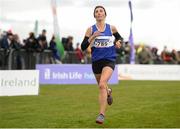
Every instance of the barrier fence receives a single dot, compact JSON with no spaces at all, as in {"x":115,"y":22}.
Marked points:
{"x":21,"y":59}
{"x":11,"y":59}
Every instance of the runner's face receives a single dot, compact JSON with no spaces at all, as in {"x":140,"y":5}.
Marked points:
{"x":100,"y":14}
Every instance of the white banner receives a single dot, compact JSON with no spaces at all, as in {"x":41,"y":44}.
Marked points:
{"x":149,"y":72}
{"x":19,"y":82}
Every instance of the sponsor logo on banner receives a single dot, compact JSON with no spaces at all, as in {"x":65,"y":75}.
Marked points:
{"x":19,"y":82}
{"x":70,"y":74}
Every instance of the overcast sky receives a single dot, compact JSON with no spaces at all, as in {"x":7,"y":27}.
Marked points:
{"x":156,"y":22}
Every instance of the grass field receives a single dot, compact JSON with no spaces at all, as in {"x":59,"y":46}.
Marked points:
{"x":152,"y":104}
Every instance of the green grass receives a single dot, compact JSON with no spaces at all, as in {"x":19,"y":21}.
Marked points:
{"x":151,"y":104}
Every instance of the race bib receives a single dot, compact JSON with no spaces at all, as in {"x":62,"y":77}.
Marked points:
{"x":103,"y":41}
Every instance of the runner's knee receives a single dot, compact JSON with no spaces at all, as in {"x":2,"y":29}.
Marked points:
{"x":102,"y":85}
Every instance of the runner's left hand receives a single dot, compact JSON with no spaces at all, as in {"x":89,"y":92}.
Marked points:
{"x":118,"y":44}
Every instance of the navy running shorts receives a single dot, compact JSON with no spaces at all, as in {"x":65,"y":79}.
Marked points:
{"x":97,"y":66}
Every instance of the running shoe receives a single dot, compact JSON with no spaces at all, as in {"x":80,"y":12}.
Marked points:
{"x":100,"y":119}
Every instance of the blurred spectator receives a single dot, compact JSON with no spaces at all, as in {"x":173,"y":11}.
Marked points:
{"x":69,"y":44}
{"x":0,"y":34}
{"x":79,"y":54}
{"x":175,"y":57}
{"x":53,"y":47}
{"x":17,"y":42}
{"x":64,"y":42}
{"x":42,"y":36}
{"x":41,"y":46}
{"x":19,"y":60}
{"x":144,"y":56}
{"x":120,"y":54}
{"x":178,"y":52}
{"x":2,"y":38}
{"x":42,"y":42}
{"x":127,"y":50}
{"x":166,"y":56}
{"x":31,"y":43}
{"x":10,"y":41}
{"x":156,"y":58}
{"x":7,"y":41}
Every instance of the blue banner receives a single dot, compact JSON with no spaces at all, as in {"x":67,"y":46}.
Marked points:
{"x":70,"y":74}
